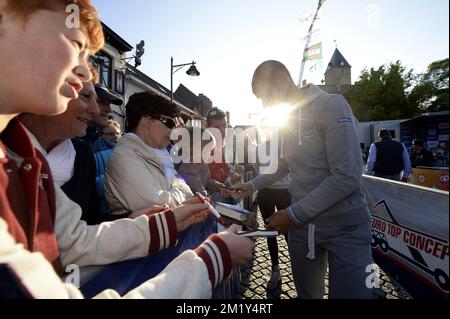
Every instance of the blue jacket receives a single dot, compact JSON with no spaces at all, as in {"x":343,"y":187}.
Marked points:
{"x":102,"y":150}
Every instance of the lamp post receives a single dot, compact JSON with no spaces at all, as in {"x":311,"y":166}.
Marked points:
{"x":192,"y":71}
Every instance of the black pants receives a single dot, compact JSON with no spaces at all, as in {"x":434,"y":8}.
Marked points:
{"x":268,"y":200}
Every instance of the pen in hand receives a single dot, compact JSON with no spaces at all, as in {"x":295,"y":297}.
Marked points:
{"x":211,"y":208}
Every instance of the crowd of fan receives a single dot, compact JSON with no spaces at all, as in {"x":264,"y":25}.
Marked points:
{"x":69,"y":194}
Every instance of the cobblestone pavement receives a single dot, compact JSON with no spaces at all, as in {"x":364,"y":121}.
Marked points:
{"x":257,"y":272}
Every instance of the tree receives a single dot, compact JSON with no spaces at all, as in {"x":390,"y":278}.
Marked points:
{"x":394,"y":92}
{"x":382,"y":93}
{"x":431,"y":92}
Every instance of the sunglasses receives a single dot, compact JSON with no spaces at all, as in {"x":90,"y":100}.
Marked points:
{"x":168,"y":121}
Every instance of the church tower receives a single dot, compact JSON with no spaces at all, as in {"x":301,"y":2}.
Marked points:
{"x":339,"y":71}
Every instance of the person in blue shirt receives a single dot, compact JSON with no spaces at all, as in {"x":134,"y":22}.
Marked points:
{"x":102,"y":148}
{"x":388,"y":158}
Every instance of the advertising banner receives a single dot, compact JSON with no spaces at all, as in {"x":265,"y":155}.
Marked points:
{"x":410,"y":228}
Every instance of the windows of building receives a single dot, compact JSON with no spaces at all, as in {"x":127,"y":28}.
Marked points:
{"x":104,"y":64}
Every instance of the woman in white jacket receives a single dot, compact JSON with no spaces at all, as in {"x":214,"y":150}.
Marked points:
{"x":140,"y":172}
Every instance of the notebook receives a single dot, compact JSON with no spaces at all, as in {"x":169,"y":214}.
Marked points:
{"x":259,"y":233}
{"x":233,"y":212}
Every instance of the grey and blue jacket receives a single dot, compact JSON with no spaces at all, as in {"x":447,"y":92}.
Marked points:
{"x":322,"y":154}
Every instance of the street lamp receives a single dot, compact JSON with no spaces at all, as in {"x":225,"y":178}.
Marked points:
{"x":192,"y":71}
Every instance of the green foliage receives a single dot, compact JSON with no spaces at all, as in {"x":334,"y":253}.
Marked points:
{"x":431,"y":94}
{"x":394,"y":92}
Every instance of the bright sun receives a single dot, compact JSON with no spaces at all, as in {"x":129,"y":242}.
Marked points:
{"x":276,"y":116}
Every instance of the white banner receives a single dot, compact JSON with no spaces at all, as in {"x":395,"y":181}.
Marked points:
{"x":410,"y":226}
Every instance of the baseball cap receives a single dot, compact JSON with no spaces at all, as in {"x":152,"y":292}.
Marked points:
{"x":103,"y":92}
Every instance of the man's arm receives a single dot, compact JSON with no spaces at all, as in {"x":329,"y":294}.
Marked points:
{"x":372,"y":158}
{"x":267,"y":179}
{"x":344,"y":161}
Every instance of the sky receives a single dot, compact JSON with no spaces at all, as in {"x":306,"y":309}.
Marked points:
{"x":229,"y":38}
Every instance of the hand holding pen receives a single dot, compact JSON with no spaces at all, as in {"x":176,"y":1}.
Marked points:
{"x":211,"y":208}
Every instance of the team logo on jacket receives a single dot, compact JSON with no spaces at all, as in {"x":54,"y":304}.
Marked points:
{"x":345,"y":120}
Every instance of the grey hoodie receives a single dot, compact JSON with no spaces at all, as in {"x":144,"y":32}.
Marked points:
{"x":321,"y":152}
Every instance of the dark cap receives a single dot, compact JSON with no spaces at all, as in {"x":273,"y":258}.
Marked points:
{"x":105,"y":93}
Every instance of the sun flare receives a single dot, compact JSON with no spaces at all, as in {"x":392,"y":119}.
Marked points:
{"x":276,"y":116}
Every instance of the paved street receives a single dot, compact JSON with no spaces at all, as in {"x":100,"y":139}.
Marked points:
{"x":257,"y":272}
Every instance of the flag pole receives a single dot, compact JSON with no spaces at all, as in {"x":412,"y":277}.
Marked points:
{"x":308,"y":41}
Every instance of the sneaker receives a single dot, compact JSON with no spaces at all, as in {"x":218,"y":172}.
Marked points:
{"x":275,"y":278}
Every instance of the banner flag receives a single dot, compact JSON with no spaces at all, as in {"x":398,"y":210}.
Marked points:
{"x":313,"y":52}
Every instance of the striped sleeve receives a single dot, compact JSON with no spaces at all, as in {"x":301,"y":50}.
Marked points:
{"x":163,"y":231}
{"x":26,"y":275}
{"x":214,"y":252}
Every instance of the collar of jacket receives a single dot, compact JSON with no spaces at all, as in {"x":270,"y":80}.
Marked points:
{"x":309,"y":94}
{"x":38,"y":189}
{"x":17,"y":139}
{"x":137,"y":144}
